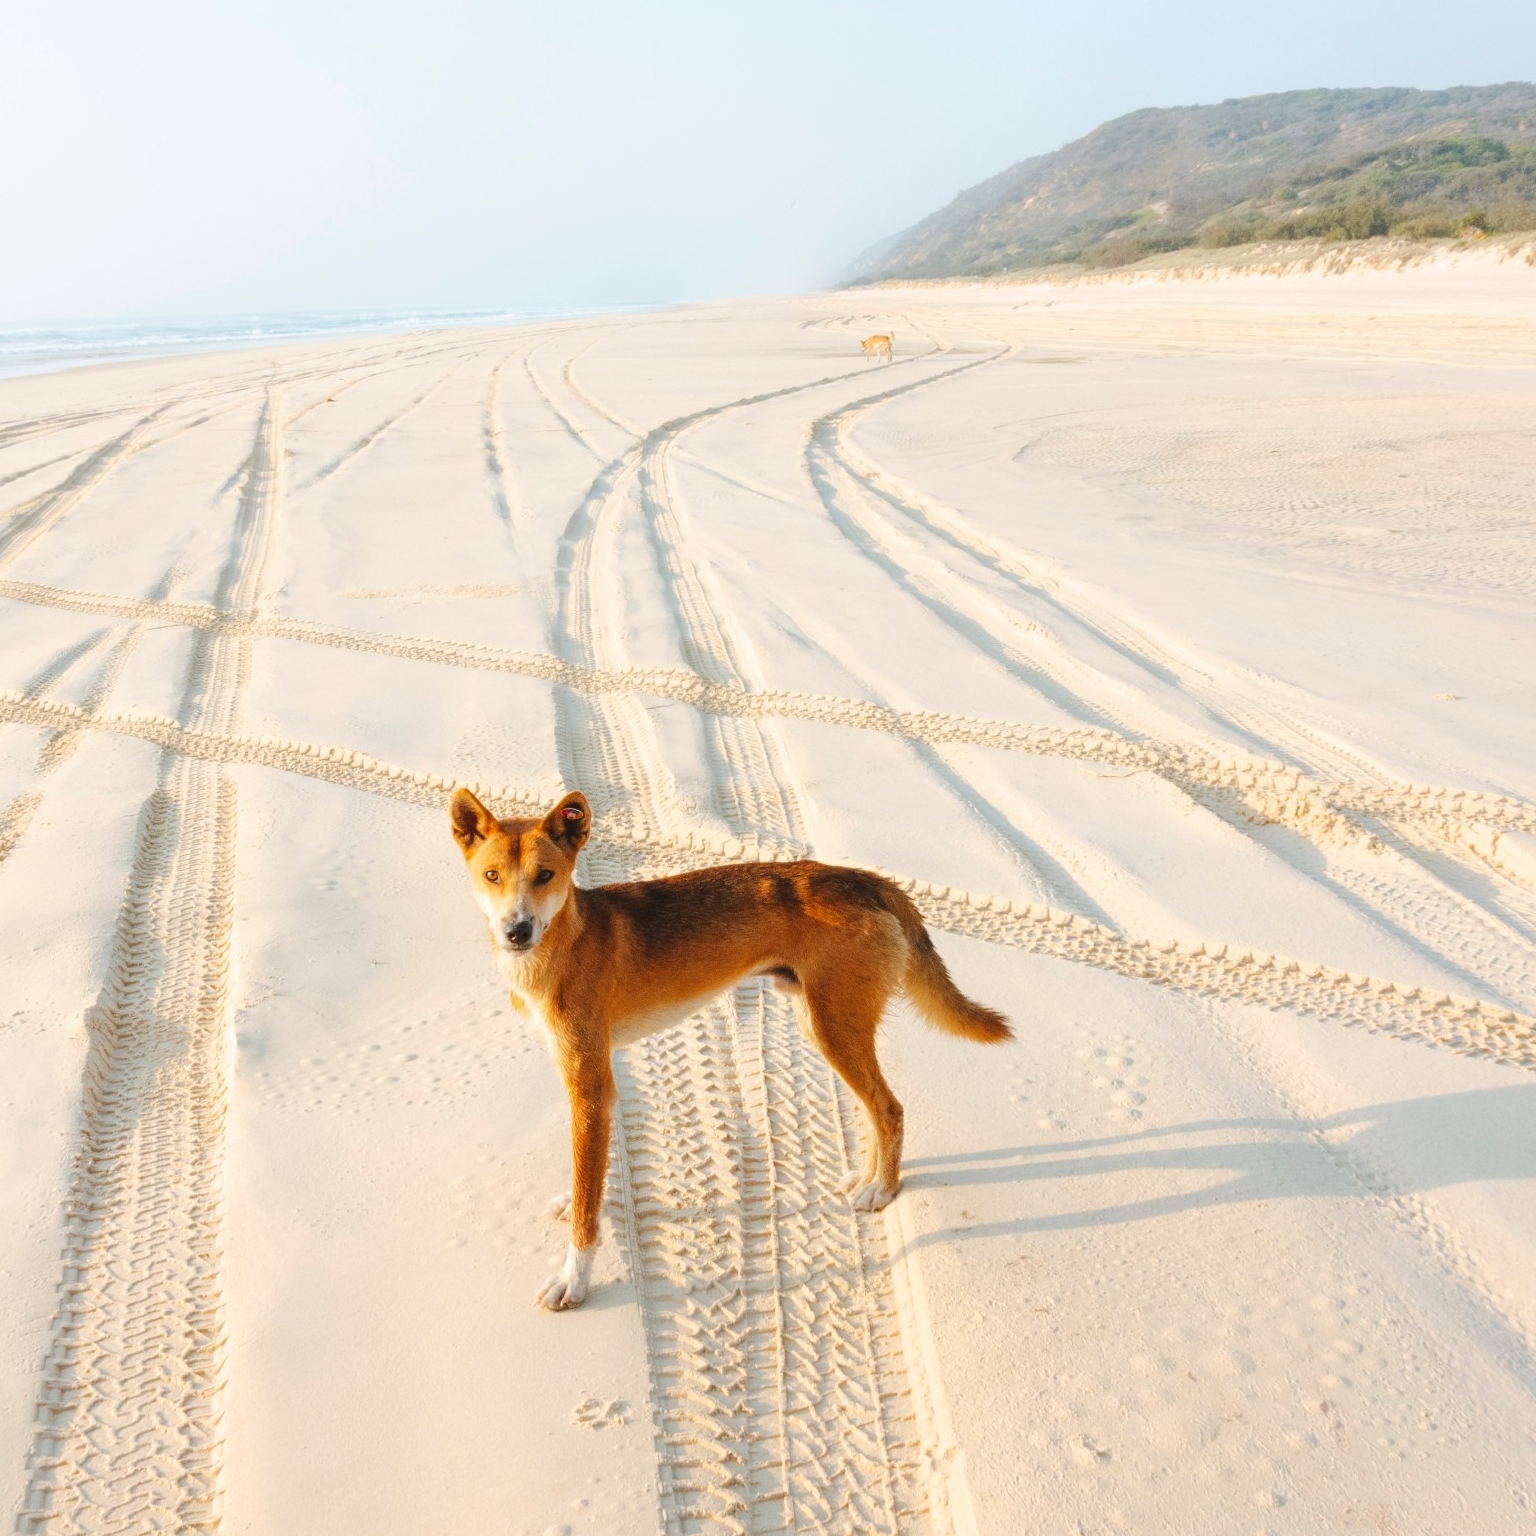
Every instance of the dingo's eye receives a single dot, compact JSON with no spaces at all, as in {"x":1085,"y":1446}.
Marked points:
{"x":494,"y":876}
{"x":543,"y":877}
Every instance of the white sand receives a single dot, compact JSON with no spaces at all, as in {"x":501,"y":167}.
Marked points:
{"x":1202,"y":611}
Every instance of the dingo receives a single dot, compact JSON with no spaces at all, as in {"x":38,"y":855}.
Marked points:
{"x":604,"y":967}
{"x":879,"y":346}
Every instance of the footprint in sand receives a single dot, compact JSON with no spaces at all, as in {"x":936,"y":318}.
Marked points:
{"x":593,"y":1413}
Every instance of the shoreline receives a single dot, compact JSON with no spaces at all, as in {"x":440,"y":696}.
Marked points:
{"x":177,"y":336}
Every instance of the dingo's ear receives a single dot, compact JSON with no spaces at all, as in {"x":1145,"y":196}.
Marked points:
{"x":570,"y":821}
{"x":472,"y":823}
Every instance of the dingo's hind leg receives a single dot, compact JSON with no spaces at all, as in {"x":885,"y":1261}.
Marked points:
{"x":842,"y":1022}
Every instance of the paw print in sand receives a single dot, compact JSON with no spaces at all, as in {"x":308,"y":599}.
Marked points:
{"x":593,"y":1413}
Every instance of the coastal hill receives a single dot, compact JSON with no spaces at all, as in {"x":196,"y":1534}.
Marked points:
{"x":1330,"y":164}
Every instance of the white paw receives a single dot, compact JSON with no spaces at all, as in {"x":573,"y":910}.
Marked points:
{"x":850,"y":1182}
{"x":569,"y":1288}
{"x":559,"y":1209}
{"x":872,"y":1197}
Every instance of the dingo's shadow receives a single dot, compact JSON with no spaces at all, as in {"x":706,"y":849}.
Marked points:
{"x":1403,"y":1147}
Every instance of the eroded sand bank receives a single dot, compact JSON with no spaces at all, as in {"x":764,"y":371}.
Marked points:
{"x":1175,"y":642}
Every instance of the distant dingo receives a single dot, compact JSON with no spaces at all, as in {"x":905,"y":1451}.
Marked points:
{"x":603,"y":966}
{"x":879,"y":346}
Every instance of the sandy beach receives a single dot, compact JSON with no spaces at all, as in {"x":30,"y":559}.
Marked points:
{"x":1172,"y":641}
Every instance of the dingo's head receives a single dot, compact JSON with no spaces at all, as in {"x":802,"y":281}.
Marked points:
{"x":521,"y":869}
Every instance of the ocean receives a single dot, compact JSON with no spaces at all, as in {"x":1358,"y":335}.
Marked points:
{"x":44,"y":347}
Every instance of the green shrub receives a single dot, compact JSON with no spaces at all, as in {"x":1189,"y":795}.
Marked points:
{"x":1471,"y":151}
{"x":1123,"y":250}
{"x":1427,"y":226}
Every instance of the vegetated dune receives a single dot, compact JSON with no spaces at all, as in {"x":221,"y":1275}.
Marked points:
{"x":1169,"y":641}
{"x":1297,"y":165}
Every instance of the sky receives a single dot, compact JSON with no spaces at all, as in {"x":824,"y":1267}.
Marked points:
{"x":166,"y":158}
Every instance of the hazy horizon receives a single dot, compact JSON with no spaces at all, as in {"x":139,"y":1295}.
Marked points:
{"x":176,"y":161}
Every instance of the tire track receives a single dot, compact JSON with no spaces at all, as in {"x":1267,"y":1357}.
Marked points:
{"x":768,"y":1321}
{"x":683,"y":1170}
{"x":827,"y":1382}
{"x":1009,"y":638}
{"x":1037,"y":587}
{"x":542,"y":390}
{"x":844,"y":1393}
{"x":1394,"y":887}
{"x":1274,"y":728}
{"x":775,"y":1349}
{"x":686,"y":1166}
{"x":41,"y":465}
{"x":1360,"y":786}
{"x":128,"y":1413}
{"x":1266,"y":981}
{"x":612,"y":741}
{"x":59,"y":746}
{"x":497,"y":467}
{"x":1272,"y":789}
{"x":23,"y":430}
{"x":568,"y":374}
{"x":856,"y":1457}
{"x":388,"y":424}
{"x":32,"y":519}
{"x":40,"y":515}
{"x":23,"y":525}
{"x":608,"y":742}
{"x":129,"y":1434}
{"x":753,"y":791}
{"x":15,"y":818}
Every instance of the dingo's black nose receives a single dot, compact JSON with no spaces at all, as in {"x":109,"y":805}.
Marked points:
{"x":520,"y":932}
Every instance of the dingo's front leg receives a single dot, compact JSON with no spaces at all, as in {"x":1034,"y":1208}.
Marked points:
{"x":569,"y":1288}
{"x":592,"y":1093}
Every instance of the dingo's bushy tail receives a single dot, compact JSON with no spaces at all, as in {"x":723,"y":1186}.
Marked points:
{"x":932,"y":990}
